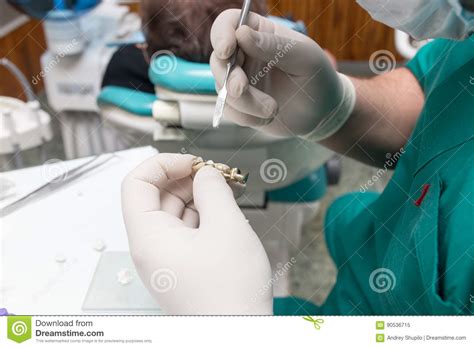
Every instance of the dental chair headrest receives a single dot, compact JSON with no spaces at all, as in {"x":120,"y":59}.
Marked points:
{"x":181,"y":76}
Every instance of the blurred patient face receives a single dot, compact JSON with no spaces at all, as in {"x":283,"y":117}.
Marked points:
{"x":183,"y":26}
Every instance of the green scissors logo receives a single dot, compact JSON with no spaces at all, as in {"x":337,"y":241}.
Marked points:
{"x":316,"y":322}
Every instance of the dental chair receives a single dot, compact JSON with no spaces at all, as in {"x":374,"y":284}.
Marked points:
{"x":287,"y":176}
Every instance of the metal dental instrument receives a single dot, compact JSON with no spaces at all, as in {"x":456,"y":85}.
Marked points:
{"x":222,"y":97}
{"x":55,"y":183}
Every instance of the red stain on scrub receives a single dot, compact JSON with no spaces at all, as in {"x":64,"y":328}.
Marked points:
{"x":424,"y":191}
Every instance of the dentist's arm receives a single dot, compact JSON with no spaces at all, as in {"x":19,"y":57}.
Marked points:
{"x":383,"y":119}
{"x":286,"y":86}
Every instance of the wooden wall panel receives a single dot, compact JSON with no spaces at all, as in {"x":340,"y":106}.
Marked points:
{"x":341,"y":26}
{"x":134,"y":7}
{"x":23,"y":47}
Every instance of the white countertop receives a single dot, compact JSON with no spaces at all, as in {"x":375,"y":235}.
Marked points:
{"x":65,"y":224}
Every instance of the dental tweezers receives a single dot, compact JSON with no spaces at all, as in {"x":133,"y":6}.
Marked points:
{"x":53,"y":184}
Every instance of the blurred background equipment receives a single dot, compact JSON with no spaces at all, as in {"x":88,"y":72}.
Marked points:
{"x":77,"y":36}
{"x":61,"y":21}
{"x":23,"y":125}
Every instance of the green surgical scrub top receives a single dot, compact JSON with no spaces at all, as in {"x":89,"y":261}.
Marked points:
{"x":410,"y":249}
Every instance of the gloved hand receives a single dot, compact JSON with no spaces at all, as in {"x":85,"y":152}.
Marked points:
{"x":284,"y":85}
{"x":196,"y":256}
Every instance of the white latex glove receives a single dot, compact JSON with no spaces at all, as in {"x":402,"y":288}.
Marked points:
{"x":284,"y":85}
{"x":198,"y":257}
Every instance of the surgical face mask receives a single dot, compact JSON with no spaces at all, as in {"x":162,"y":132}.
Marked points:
{"x":424,"y":19}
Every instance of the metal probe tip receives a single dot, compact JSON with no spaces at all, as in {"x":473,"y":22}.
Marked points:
{"x":222,"y":97}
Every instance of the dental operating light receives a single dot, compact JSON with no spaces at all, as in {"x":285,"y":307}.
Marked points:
{"x":49,"y":9}
{"x":63,"y":29}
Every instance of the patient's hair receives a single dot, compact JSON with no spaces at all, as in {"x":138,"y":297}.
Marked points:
{"x":183,"y":26}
